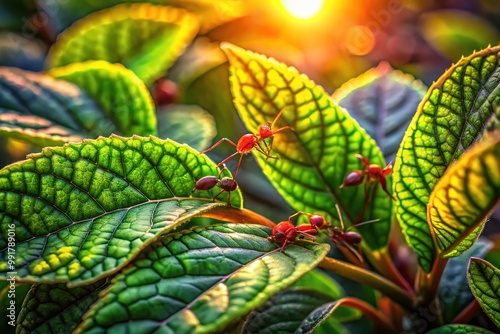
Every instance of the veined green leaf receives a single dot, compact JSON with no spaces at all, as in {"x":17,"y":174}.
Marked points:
{"x":55,"y":308}
{"x":466,"y":194}
{"x":44,"y":111}
{"x":120,"y":93}
{"x":383,"y":101}
{"x":484,"y":281}
{"x":199,"y":281}
{"x":145,"y":38}
{"x":459,"y":329}
{"x":450,"y":118}
{"x":187,"y":124}
{"x":83,"y":211}
{"x":318,"y":153}
{"x":286,"y":312}
{"x":454,"y":292}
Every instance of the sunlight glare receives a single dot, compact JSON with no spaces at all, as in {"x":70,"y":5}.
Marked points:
{"x":303,"y":9}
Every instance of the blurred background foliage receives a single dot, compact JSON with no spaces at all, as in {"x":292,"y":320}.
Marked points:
{"x":330,"y":41}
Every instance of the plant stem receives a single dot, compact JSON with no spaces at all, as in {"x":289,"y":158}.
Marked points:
{"x":235,"y":215}
{"x":427,"y":285}
{"x":381,"y":259}
{"x":467,"y":313}
{"x":382,"y":324}
{"x":369,"y":278}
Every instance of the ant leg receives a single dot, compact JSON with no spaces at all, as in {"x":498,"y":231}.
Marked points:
{"x":284,"y":245}
{"x":368,"y":201}
{"x":217,"y":144}
{"x":261,"y":150}
{"x":298,"y":213}
{"x":237,"y":168}
{"x":220,"y":192}
{"x":383,"y":183}
{"x":307,"y":235}
{"x":227,"y":159}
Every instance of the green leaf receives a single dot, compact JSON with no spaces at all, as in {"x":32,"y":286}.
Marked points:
{"x":459,"y":329}
{"x":55,"y":308}
{"x":457,"y":32}
{"x":186,"y":124}
{"x":210,"y":13}
{"x":124,"y":98}
{"x":145,"y":38}
{"x":450,"y":118}
{"x":383,"y":101}
{"x":319,"y":153}
{"x":200,"y":280}
{"x":320,"y":282}
{"x":44,"y":111}
{"x":466,"y":194}
{"x":9,"y":293}
{"x":290,"y":311}
{"x":83,"y":211}
{"x":454,"y":292}
{"x":484,"y":281}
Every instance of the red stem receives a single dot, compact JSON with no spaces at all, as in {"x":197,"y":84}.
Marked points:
{"x":467,"y":313}
{"x":382,"y":324}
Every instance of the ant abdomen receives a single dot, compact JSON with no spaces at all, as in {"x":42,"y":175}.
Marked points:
{"x":206,"y":183}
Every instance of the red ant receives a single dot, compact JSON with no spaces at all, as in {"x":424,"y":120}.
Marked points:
{"x":249,"y":141}
{"x":226,"y":184}
{"x":372,"y":172}
{"x":286,"y":232}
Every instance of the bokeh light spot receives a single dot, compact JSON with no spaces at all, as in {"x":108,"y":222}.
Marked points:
{"x":303,"y":9}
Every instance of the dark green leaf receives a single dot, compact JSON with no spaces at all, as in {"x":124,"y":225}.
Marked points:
{"x":451,"y":117}
{"x":56,"y":308}
{"x":9,"y":313}
{"x":454,"y":291}
{"x":145,"y":38}
{"x":123,"y":97}
{"x":320,"y":282}
{"x":459,"y":329}
{"x":466,"y":194}
{"x":383,"y":101}
{"x":286,"y":312}
{"x":83,"y":211}
{"x":484,"y":281}
{"x":187,"y":124}
{"x":319,"y":153}
{"x":202,"y":279}
{"x":44,"y":111}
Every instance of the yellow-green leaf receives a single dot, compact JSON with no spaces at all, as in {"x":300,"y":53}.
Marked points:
{"x":145,"y":38}
{"x":317,"y":155}
{"x":466,"y":194}
{"x":120,"y":93}
{"x":451,"y":117}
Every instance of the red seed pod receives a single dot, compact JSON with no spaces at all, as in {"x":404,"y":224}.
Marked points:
{"x":228,"y":184}
{"x":206,"y":183}
{"x":317,"y":221}
{"x":354,"y":178}
{"x":166,"y":92}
